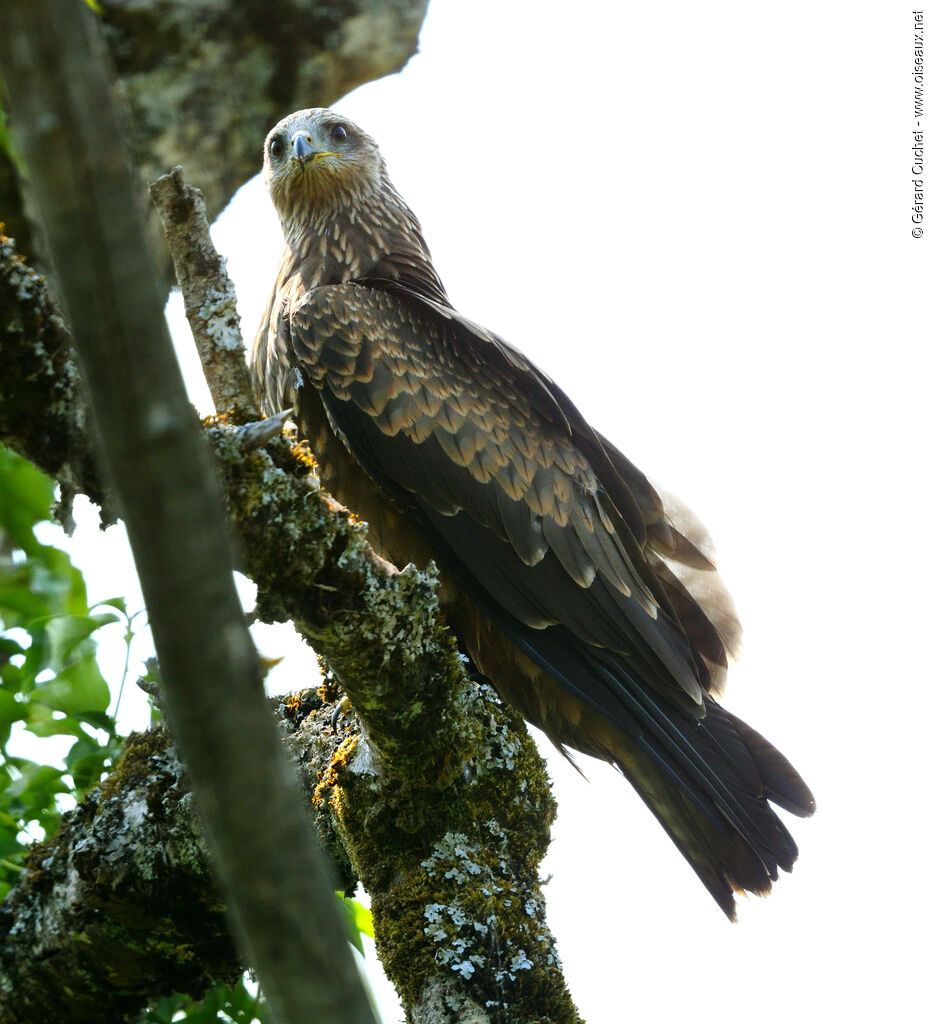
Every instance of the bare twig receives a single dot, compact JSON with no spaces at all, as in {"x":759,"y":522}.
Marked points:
{"x":209,"y":296}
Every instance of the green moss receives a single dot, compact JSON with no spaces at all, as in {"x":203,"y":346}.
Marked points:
{"x":468,"y":902}
{"x":135,"y":766}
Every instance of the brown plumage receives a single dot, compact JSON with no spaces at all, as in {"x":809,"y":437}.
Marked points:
{"x":589,"y":599}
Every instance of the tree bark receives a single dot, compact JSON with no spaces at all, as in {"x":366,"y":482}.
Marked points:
{"x":44,"y":415}
{"x":443,"y":809}
{"x":118,"y":908}
{"x":269,"y":869}
{"x":205,"y":81}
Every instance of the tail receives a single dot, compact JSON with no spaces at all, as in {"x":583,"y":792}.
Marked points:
{"x":727,"y":830}
{"x":710,"y":781}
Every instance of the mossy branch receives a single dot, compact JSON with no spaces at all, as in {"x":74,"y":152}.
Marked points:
{"x":119,"y":907}
{"x":43,"y":410}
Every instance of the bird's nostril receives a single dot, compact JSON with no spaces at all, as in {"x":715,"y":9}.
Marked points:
{"x":301,"y":146}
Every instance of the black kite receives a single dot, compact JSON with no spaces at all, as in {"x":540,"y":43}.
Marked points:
{"x":589,"y":599}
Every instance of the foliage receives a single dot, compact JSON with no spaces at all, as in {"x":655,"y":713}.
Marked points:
{"x":50,"y":683}
{"x":221,"y":1005}
{"x":52,"y":688}
{"x":358,"y":920}
{"x":8,"y":143}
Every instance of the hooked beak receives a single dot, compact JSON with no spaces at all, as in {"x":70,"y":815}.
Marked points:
{"x":304,"y":152}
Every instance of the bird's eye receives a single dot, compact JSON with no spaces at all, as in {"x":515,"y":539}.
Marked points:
{"x":276,"y":148}
{"x":338,"y":133}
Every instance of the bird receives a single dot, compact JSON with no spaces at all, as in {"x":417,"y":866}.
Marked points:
{"x":586,"y":594}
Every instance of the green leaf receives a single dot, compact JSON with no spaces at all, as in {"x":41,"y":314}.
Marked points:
{"x":46,"y":727}
{"x":87,"y":771}
{"x":36,"y":713}
{"x":11,"y":678}
{"x":99,"y":720}
{"x":9,"y":648}
{"x":19,"y":604}
{"x":8,"y":146}
{"x":220,"y":1005}
{"x":78,"y":687}
{"x":53,"y":685}
{"x":63,"y":582}
{"x":10,"y":845}
{"x":66,"y":632}
{"x":358,"y":920}
{"x":36,"y":786}
{"x":11,"y":709}
{"x":25,"y":497}
{"x":164,"y":1011}
{"x":88,"y":759}
{"x":118,"y":603}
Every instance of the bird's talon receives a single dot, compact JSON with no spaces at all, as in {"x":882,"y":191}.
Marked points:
{"x":257,"y":434}
{"x":344,"y":705}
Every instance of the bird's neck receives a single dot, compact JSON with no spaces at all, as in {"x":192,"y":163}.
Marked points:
{"x":365,"y":236}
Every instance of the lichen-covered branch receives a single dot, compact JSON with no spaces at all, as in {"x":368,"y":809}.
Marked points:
{"x":119,"y":907}
{"x":43,"y":411}
{"x":266,"y":859}
{"x":209,"y":296}
{"x":438,"y":802}
{"x":444,"y":811}
{"x":430,"y":792}
{"x":443,"y":804}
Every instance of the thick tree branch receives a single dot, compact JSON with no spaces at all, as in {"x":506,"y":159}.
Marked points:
{"x":396,"y":799}
{"x":55,"y":68}
{"x":437,"y":813}
{"x":43,"y":413}
{"x":440,"y":804}
{"x":119,"y":907}
{"x":443,"y":806}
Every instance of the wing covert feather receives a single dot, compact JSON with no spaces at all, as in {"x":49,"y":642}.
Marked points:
{"x":444,"y":421}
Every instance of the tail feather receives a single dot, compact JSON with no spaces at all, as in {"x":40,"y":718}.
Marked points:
{"x":721,"y":859}
{"x":729,"y":854}
{"x":704,"y":773}
{"x":782,"y":782}
{"x":708,"y":780}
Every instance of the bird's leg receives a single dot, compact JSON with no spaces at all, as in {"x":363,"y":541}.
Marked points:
{"x":258,"y":433}
{"x":344,"y":705}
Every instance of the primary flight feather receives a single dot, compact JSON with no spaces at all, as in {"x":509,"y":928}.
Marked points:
{"x":590,"y":599}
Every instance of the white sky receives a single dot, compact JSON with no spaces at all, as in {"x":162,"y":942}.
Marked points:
{"x":697,"y":219}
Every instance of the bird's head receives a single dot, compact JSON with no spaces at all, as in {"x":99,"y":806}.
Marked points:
{"x":316,"y":160}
